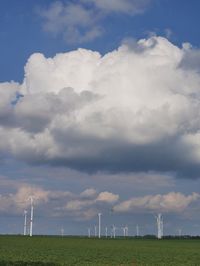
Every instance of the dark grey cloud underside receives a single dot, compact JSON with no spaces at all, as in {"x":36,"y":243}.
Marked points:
{"x":165,"y":156}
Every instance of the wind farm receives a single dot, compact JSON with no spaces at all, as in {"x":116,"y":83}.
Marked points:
{"x":132,"y":243}
{"x":97,"y":245}
{"x":99,"y":132}
{"x":97,"y":232}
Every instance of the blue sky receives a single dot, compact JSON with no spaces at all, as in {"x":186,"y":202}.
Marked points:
{"x":111,"y":126}
{"x":22,"y":33}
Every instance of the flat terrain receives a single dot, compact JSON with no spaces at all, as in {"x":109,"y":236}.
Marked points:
{"x":19,"y":250}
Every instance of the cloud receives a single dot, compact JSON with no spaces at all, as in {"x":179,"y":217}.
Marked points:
{"x":54,"y":203}
{"x":131,"y":110}
{"x":15,"y":203}
{"x":107,"y":197}
{"x":130,"y":7}
{"x":85,"y":205}
{"x":77,"y":205}
{"x":88,"y":193}
{"x":80,"y":21}
{"x":191,"y":58}
{"x":171,"y":202}
{"x":74,"y":22}
{"x":8,"y":92}
{"x":86,"y":208}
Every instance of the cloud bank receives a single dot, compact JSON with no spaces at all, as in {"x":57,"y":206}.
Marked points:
{"x":171,"y":202}
{"x":55,"y":203}
{"x":133,"y":109}
{"x":87,"y":204}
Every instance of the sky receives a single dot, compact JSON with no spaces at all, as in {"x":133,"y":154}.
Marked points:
{"x":99,"y":112}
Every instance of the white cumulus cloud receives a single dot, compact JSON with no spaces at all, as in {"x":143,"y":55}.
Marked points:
{"x":171,"y":202}
{"x":133,"y":109}
{"x":107,"y":197}
{"x":15,"y":198}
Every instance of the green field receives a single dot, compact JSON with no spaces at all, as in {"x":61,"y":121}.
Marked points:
{"x":19,"y":250}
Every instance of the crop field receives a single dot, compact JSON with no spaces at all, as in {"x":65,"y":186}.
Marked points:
{"x":41,"y":250}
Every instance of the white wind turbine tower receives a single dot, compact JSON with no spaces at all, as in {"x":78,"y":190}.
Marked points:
{"x":106,"y":230}
{"x":111,"y":232}
{"x":114,"y":230}
{"x":159,"y":221}
{"x":31,"y":221}
{"x":95,"y":231}
{"x":89,"y":234}
{"x":25,"y":221}
{"x":99,"y":215}
{"x":137,"y":230}
{"x":180,"y":232}
{"x":126,"y":230}
{"x":62,"y":231}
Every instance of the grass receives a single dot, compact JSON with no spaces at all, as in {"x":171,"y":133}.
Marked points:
{"x":19,"y":250}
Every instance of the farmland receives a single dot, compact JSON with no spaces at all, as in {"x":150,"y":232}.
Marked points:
{"x":41,"y":250}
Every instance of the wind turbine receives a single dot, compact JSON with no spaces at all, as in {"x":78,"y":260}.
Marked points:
{"x":106,"y":229}
{"x":31,"y":221}
{"x":137,"y":231}
{"x":25,"y":221}
{"x":62,"y":231}
{"x":89,"y":233}
{"x":111,"y":232}
{"x":180,"y":232}
{"x":114,"y":230}
{"x":126,"y":230}
{"x":95,"y":231}
{"x":99,"y":215}
{"x":159,"y":221}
